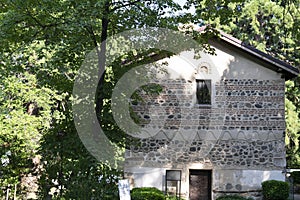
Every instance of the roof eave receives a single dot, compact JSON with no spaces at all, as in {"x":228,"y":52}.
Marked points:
{"x":288,"y":70}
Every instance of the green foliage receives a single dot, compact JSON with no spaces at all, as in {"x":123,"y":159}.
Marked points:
{"x":73,"y":168}
{"x":173,"y":198}
{"x":147,"y":193}
{"x":219,"y":12}
{"x":270,"y":26}
{"x":25,"y":115}
{"x":292,"y":134}
{"x":292,"y":123}
{"x":296,"y":177}
{"x":275,"y":190}
{"x":42,"y":46}
{"x":28,"y":110}
{"x":233,"y":197}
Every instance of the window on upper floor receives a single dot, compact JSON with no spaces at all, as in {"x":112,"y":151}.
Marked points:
{"x":203,"y":91}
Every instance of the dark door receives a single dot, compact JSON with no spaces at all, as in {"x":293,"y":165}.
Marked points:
{"x":200,"y":184}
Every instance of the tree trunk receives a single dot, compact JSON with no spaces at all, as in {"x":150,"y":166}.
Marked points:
{"x":102,"y":61}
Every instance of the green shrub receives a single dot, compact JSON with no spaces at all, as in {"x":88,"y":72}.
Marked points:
{"x":147,"y":193}
{"x":275,"y":190}
{"x":147,"y":189}
{"x":232,"y":197}
{"x":173,"y":198}
{"x":296,"y":177}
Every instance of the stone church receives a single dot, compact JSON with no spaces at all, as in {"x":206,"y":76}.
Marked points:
{"x":219,"y":124}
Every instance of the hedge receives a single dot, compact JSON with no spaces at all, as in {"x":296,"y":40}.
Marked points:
{"x":232,"y":197}
{"x":147,"y":193}
{"x":275,"y":190}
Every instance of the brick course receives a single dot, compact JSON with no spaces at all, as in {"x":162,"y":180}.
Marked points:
{"x":242,"y":129}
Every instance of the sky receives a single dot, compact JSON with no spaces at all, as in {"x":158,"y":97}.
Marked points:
{"x":182,"y":2}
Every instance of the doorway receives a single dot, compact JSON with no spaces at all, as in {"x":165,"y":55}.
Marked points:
{"x":200,"y":184}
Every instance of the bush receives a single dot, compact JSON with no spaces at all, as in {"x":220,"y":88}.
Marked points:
{"x":232,"y":197}
{"x":296,"y":177}
{"x":147,"y":193}
{"x":173,"y":198}
{"x":275,"y":190}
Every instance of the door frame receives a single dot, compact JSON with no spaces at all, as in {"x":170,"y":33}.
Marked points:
{"x":210,"y":171}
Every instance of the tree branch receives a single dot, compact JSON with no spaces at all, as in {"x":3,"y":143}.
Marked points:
{"x":102,"y":59}
{"x":91,"y":32}
{"x":125,"y":5}
{"x":34,"y":19}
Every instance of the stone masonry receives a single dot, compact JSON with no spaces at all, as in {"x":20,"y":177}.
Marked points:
{"x":243,"y":128}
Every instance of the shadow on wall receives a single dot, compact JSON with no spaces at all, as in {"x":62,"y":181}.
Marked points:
{"x":243,"y":67}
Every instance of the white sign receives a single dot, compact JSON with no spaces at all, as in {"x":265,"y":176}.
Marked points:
{"x":124,"y":189}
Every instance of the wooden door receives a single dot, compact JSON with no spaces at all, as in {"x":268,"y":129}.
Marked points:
{"x":200,"y":184}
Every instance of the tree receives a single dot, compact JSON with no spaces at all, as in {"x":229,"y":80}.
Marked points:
{"x":270,"y":26}
{"x":292,"y":125}
{"x":43,"y":44}
{"x":25,"y":116}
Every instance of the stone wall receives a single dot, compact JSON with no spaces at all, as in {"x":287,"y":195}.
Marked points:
{"x":242,"y":129}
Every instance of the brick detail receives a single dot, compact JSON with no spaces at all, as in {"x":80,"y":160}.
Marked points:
{"x":242,"y":129}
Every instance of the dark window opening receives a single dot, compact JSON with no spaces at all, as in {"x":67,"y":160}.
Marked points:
{"x":203,"y":91}
{"x":173,"y":182}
